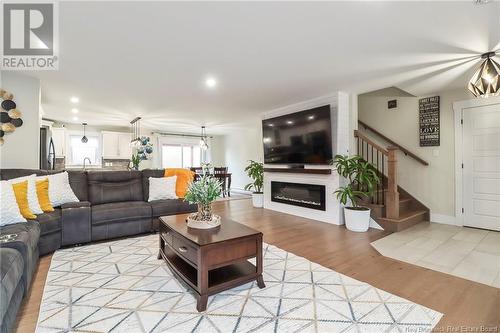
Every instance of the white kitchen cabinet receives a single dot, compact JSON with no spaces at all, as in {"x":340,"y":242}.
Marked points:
{"x":59,"y":139}
{"x":116,"y":145}
{"x":124,"y":148}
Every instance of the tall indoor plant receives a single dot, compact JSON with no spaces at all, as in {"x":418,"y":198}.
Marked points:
{"x":255,"y":170}
{"x":362,"y":180}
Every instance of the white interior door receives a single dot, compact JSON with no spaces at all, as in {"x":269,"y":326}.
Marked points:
{"x":481,"y":174}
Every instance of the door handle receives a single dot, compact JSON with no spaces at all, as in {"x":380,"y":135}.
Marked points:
{"x":183,"y":249}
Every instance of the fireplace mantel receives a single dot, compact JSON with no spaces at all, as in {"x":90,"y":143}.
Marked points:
{"x":300,"y":170}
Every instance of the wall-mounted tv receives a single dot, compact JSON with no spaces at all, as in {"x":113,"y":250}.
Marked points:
{"x":303,"y":137}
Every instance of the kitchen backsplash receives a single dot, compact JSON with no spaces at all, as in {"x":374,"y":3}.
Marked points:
{"x":113,"y":164}
{"x":60,"y":163}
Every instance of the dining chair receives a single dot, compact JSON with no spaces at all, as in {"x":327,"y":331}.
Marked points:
{"x":197,"y":170}
{"x":221,"y":174}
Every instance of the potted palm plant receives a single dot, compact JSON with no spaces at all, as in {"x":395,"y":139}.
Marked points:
{"x":255,"y":170}
{"x":362,"y":179}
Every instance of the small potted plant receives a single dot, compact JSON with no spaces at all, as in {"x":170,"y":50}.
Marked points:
{"x":362,"y":178}
{"x":203,"y":192}
{"x":255,"y":170}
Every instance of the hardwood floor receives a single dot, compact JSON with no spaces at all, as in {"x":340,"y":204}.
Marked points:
{"x":464,"y":303}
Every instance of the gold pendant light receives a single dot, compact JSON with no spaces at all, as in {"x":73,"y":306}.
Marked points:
{"x":486,"y":80}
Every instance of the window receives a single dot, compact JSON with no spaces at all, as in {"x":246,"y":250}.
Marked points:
{"x":180,"y":156}
{"x":79,"y":151}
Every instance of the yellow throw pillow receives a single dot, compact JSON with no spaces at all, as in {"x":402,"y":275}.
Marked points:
{"x":21,"y":193}
{"x":42,"y":191}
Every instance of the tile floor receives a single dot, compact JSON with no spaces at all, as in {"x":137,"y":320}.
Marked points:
{"x":469,"y":253}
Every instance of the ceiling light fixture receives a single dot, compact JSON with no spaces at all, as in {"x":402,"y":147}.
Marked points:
{"x":75,"y":111}
{"x":75,"y":118}
{"x":311,"y":117}
{"x":135,"y":132}
{"x":84,"y":138}
{"x":211,"y":82}
{"x":203,"y":138}
{"x":74,"y":100}
{"x":289,"y":122}
{"x":486,"y":80}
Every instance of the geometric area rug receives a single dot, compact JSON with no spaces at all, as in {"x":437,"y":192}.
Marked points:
{"x":120,"y":286}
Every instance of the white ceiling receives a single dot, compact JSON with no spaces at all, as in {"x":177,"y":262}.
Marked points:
{"x":127,"y":59}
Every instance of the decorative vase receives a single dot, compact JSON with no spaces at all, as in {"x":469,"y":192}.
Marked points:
{"x":203,"y":219}
{"x":204,"y":212}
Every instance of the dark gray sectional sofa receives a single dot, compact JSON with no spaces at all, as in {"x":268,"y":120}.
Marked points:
{"x":112,"y":204}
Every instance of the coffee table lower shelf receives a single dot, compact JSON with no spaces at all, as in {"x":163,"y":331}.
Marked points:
{"x":219,"y":279}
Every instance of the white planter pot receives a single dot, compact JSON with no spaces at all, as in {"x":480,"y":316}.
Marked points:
{"x":357,"y":220}
{"x":258,"y":200}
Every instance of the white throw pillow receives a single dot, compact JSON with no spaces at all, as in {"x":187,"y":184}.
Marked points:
{"x":32,"y":196}
{"x":162,"y":188}
{"x":9,"y":210}
{"x":60,"y":191}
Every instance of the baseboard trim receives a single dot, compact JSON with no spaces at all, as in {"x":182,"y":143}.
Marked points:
{"x":445,"y":219}
{"x":241,"y":191}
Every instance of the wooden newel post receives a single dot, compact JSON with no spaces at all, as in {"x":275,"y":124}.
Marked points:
{"x":392,"y":208}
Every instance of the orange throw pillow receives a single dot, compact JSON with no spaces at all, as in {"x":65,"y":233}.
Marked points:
{"x":184,"y":177}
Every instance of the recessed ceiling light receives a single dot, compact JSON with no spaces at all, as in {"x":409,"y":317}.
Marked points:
{"x":75,"y":118}
{"x":270,"y":125}
{"x":74,"y":100}
{"x":211,"y":82}
{"x":310,"y":117}
{"x":289,"y":122}
{"x":74,"y":110}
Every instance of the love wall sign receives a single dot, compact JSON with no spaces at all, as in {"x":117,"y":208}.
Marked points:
{"x":429,"y":122}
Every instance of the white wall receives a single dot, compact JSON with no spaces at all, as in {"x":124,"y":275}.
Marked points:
{"x":21,"y":148}
{"x":218,"y":151}
{"x":239,"y":147}
{"x":434,"y":184}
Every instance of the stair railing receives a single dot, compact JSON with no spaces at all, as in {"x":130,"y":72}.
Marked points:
{"x":393,"y":143}
{"x":385,"y":161}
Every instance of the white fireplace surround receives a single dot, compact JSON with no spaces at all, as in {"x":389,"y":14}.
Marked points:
{"x":332,"y":212}
{"x":339,"y":103}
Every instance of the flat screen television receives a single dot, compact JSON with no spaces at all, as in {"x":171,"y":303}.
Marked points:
{"x":299,"y":138}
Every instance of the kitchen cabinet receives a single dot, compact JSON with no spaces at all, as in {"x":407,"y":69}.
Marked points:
{"x":116,"y":145}
{"x":59,"y":139}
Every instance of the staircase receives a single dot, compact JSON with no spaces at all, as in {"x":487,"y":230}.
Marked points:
{"x":393,"y":208}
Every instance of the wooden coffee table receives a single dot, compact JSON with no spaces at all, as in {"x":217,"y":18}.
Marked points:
{"x":210,"y":261}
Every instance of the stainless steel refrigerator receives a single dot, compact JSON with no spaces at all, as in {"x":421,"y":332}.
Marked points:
{"x":47,"y":151}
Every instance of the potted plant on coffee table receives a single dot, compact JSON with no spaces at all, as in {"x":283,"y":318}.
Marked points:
{"x":255,"y":170}
{"x":203,"y":192}
{"x":362,"y":179}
